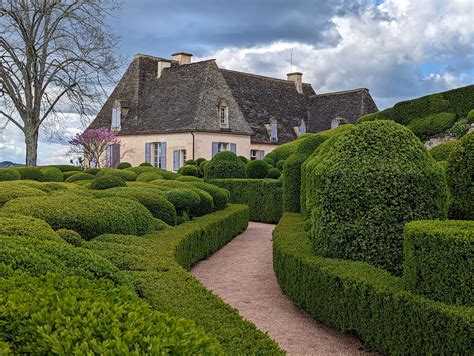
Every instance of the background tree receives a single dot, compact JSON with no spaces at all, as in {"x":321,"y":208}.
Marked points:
{"x":55,"y":57}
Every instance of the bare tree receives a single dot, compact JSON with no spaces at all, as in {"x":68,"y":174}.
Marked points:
{"x":56,"y":56}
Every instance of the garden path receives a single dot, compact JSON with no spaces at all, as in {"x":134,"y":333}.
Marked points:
{"x":241,"y":273}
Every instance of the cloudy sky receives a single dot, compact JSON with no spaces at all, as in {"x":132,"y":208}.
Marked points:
{"x":399,"y":49}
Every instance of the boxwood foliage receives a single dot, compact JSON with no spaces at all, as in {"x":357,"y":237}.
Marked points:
{"x":377,"y":177}
{"x":442,"y":151}
{"x":51,"y":174}
{"x":184,"y":200}
{"x":7,"y":174}
{"x":263,"y":196}
{"x":189,"y":170}
{"x":71,"y":237}
{"x":283,"y":151}
{"x":149,"y":176}
{"x":32,"y":173}
{"x":220,"y":196}
{"x":428,"y":126}
{"x":89,"y":217}
{"x":123,"y":165}
{"x":66,"y":175}
{"x":163,"y":281}
{"x":125,"y":174}
{"x":356,"y":297}
{"x":154,"y":200}
{"x":12,"y":224}
{"x":225,"y":165}
{"x":460,"y":175}
{"x":257,"y":169}
{"x":79,"y":176}
{"x":189,"y":179}
{"x":439,"y":260}
{"x":106,"y":319}
{"x":273,"y":173}
{"x":12,"y":190}
{"x":66,"y":167}
{"x":107,"y":181}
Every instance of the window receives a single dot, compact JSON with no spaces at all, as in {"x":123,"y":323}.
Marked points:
{"x":273,"y":130}
{"x":183,"y":157}
{"x":116,"y":116}
{"x":159,"y":154}
{"x":222,"y":146}
{"x":335,"y":122}
{"x":179,"y":159}
{"x":223,"y":112}
{"x":256,"y":154}
{"x":302,"y":127}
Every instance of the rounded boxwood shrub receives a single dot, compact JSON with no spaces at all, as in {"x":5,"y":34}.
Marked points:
{"x":79,"y":176}
{"x":206,"y":203}
{"x":149,"y":176}
{"x":89,"y":217}
{"x":27,"y":226}
{"x":188,"y":179}
{"x":32,"y":173}
{"x":203,"y":167}
{"x":12,"y":190}
{"x":273,"y":173}
{"x":376,"y":177}
{"x":200,"y":160}
{"x":160,"y":225}
{"x":125,"y":174}
{"x":71,"y":237}
{"x":107,"y":181}
{"x":190,"y":162}
{"x":460,"y":128}
{"x":184,"y":200}
{"x":280,"y":164}
{"x":66,"y":167}
{"x":257,"y":169}
{"x":9,"y":174}
{"x":145,"y":164}
{"x":243,"y":159}
{"x":470,"y":117}
{"x":220,"y":196}
{"x":428,"y":126}
{"x":127,"y":324}
{"x":189,"y":170}
{"x":225,"y":165}
{"x":442,"y":151}
{"x":269,"y":161}
{"x":460,"y":175}
{"x":66,"y":175}
{"x":123,"y":165}
{"x":51,"y":174}
{"x":92,"y":171}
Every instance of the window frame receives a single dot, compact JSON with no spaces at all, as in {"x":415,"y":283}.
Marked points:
{"x":226,"y":144}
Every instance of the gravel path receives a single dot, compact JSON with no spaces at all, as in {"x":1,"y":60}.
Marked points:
{"x":241,"y":273}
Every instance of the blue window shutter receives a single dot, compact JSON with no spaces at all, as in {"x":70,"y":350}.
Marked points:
{"x":148,"y":152}
{"x":115,"y":154}
{"x":163,"y":155}
{"x":261,"y":154}
{"x":233,"y":147}
{"x":107,"y":155}
{"x":214,"y":149}
{"x":176,"y":159}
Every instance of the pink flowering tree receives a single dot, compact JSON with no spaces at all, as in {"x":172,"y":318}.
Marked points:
{"x":92,"y":145}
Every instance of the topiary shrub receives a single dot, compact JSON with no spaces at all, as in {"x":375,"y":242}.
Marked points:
{"x":470,"y":117}
{"x":220,"y":196}
{"x":243,"y":159}
{"x":188,"y":179}
{"x":376,"y":177}
{"x":66,"y":175}
{"x":439,"y":260}
{"x":32,"y":173}
{"x":442,"y":151}
{"x":12,"y":190}
{"x":160,"y":225}
{"x":51,"y":174}
{"x":145,"y":164}
{"x":25,"y":226}
{"x":200,"y":160}
{"x":89,"y":217}
{"x":431,"y":125}
{"x":149,"y":176}
{"x":71,"y":237}
{"x":7,"y":174}
{"x":107,"y":181}
{"x":184,"y":200}
{"x":189,"y":170}
{"x":202,"y":168}
{"x":92,"y":171}
{"x":79,"y":176}
{"x":460,"y":176}
{"x":225,"y":165}
{"x":460,"y":128}
{"x":257,"y":169}
{"x":273,"y":173}
{"x":269,"y":161}
{"x":284,"y":151}
{"x":280,"y":164}
{"x":123,"y":165}
{"x":66,"y":167}
{"x":55,"y":301}
{"x":125,"y":174}
{"x":190,"y":162}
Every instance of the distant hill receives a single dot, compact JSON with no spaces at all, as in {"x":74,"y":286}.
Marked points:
{"x":6,"y":164}
{"x":432,"y":114}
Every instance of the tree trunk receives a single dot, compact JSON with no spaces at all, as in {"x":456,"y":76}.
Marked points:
{"x":31,"y":141}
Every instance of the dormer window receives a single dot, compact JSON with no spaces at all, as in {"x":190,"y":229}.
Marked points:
{"x":273,"y":130}
{"x":116,"y":115}
{"x":223,"y":113}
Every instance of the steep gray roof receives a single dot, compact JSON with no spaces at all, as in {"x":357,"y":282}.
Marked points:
{"x":185,"y":98}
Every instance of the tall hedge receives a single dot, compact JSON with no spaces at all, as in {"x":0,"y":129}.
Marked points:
{"x":225,"y":165}
{"x":442,"y":151}
{"x":263,"y":196}
{"x":376,"y":177}
{"x":439,"y":260}
{"x":460,"y":175}
{"x":428,"y":126}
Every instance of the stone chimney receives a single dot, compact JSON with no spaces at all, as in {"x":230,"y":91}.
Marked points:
{"x":182,"y":57}
{"x":297,"y":78}
{"x":162,"y":64}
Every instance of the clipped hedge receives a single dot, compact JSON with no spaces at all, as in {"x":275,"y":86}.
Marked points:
{"x":189,"y":170}
{"x":184,"y":200}
{"x":123,"y":165}
{"x":107,"y":181}
{"x":30,"y":173}
{"x":439,"y":260}
{"x":89,"y":217}
{"x":173,"y":290}
{"x":263,"y":196}
{"x":7,"y":174}
{"x":66,"y":167}
{"x":125,"y":174}
{"x":219,"y":196}
{"x":12,"y":190}
{"x":72,"y":315}
{"x":460,"y":175}
{"x":257,"y":169}
{"x":51,"y":174}
{"x":431,"y":125}
{"x":79,"y":176}
{"x":149,"y":176}
{"x":71,"y":237}
{"x":225,"y":165}
{"x":356,"y":297}
{"x":442,"y":151}
{"x":25,"y":226}
{"x":273,"y":173}
{"x":374,"y":179}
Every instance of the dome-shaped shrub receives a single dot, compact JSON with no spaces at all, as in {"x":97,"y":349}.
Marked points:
{"x":107,"y":181}
{"x":26,"y":226}
{"x":273,"y":173}
{"x":269,"y":161}
{"x":376,"y":177}
{"x":280,"y":164}
{"x":32,"y":173}
{"x":189,"y":170}
{"x":145,"y":164}
{"x":149,"y":176}
{"x":220,"y":196}
{"x":66,"y":175}
{"x":203,"y":168}
{"x":184,"y":200}
{"x":225,"y":165}
{"x":66,"y":167}
{"x":123,"y":165}
{"x":125,"y":174}
{"x":200,"y":160}
{"x":460,"y":174}
{"x":257,"y":169}
{"x":191,"y":162}
{"x":470,"y":117}
{"x":442,"y":151}
{"x":51,"y":174}
{"x":92,"y":171}
{"x":243,"y":159}
{"x":12,"y":190}
{"x":9,"y":174}
{"x":79,"y":176}
{"x":188,"y":179}
{"x":71,"y":237}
